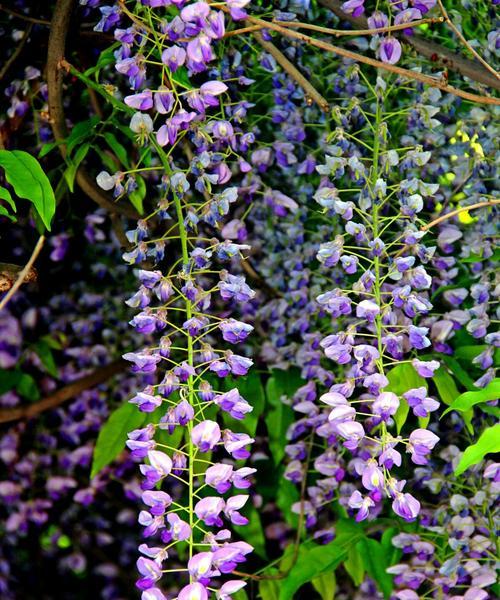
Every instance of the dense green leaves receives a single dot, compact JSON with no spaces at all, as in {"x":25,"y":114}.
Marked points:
{"x":280,"y":386}
{"x":29,"y":181}
{"x":376,"y":562}
{"x":113,"y":435}
{"x":488,"y":442}
{"x":325,"y":585}
{"x":314,"y":560}
{"x":446,"y":386}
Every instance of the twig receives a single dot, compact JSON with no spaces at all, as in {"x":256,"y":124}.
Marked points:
{"x":24,"y":273}
{"x":353,"y":32}
{"x":65,"y":393}
{"x":248,"y":29}
{"x":85,"y":28}
{"x":432,"y":81}
{"x":438,"y":54}
{"x":133,"y":18}
{"x":446,"y":216}
{"x":464,"y":41}
{"x":312,"y":95}
{"x":14,"y":56}
{"x":457,"y":211}
{"x":22,"y":16}
{"x":55,"y":55}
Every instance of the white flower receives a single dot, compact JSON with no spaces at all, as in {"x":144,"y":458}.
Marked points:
{"x":106,"y":181}
{"x":141,"y":123}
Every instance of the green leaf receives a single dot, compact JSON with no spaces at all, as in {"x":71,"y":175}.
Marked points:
{"x":28,"y":388}
{"x":494,"y":411}
{"x":462,"y":375}
{"x":393,"y":554}
{"x":80,"y":132}
{"x":355,"y":566}
{"x":9,"y":379}
{"x":5,"y":195}
{"x":279,"y":416}
{"x":325,"y":585}
{"x":5,"y":213}
{"x":119,"y":151}
{"x":29,"y":181}
{"x":488,"y":442}
{"x":74,"y":163}
{"x":467,"y":400}
{"x":107,"y":161}
{"x":287,"y":494}
{"x":181,"y":77}
{"x":446,"y":386}
{"x":313,"y":560}
{"x":113,"y":435}
{"x":46,"y":148}
{"x":253,"y":533}
{"x":137,"y":196}
{"x":44,"y":352}
{"x":376,"y":563}
{"x":402,"y":378}
{"x":269,"y":589}
{"x":106,"y":57}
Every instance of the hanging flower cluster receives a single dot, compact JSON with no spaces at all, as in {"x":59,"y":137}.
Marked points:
{"x":382,"y":249}
{"x":183,"y":304}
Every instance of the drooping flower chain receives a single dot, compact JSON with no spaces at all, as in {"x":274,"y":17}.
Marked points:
{"x":186,"y":295}
{"x":382,"y":241}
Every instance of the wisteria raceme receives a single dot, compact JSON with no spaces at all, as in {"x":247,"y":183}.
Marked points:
{"x":184,"y":297}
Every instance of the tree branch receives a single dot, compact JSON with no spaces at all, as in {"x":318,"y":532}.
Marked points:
{"x":457,"y":211}
{"x":312,"y":95}
{"x":14,"y":56}
{"x":65,"y":393}
{"x":353,"y":32}
{"x":460,"y":36}
{"x":55,"y":55}
{"x":438,"y":54}
{"x":427,"y":79}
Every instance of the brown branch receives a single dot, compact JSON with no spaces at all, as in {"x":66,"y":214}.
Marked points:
{"x":65,"y":393}
{"x":22,"y":16}
{"x":464,"y":41}
{"x":84,"y":27}
{"x":427,"y":79}
{"x":312,"y":95}
{"x":446,"y":216}
{"x":457,"y":211}
{"x":24,"y":274}
{"x":353,"y":32}
{"x":55,"y":56}
{"x":438,"y":54}
{"x":249,"y":29}
{"x":14,"y":56}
